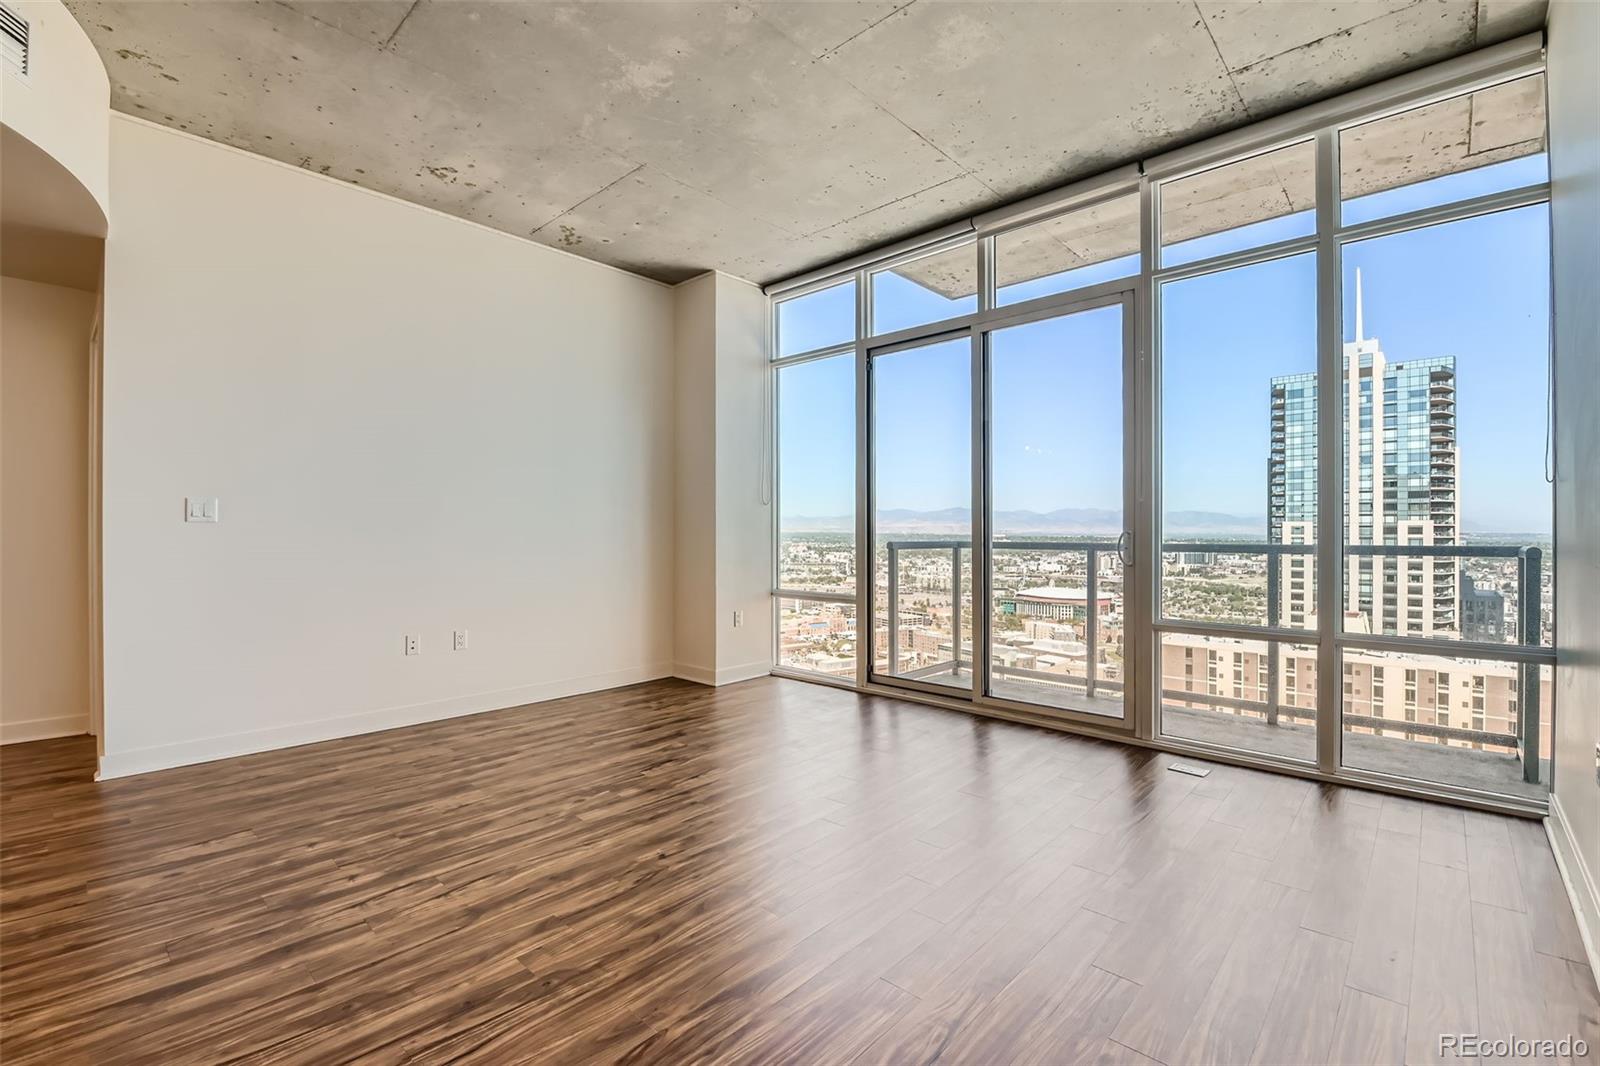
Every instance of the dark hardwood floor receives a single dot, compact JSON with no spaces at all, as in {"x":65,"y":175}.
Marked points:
{"x":769,"y":872}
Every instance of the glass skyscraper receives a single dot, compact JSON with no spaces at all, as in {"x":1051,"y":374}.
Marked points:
{"x":1399,"y":488}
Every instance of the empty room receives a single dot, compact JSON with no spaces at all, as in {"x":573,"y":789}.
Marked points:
{"x":822,"y":532}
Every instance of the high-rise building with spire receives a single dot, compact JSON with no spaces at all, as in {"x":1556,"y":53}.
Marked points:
{"x":1400,"y":468}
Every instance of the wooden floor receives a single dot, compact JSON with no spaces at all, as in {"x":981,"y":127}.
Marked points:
{"x":769,"y":872}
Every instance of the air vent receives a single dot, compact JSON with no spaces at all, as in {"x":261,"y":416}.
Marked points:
{"x":14,"y":40}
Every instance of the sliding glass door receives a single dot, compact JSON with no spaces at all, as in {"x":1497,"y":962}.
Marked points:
{"x":1034,"y":588}
{"x":921,"y":461}
{"x":1058,"y":530}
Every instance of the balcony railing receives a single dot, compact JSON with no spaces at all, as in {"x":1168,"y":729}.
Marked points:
{"x":1271,"y":709}
{"x":1093,"y":549}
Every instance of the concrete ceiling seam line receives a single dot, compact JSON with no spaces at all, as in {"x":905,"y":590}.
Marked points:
{"x":1486,"y":67}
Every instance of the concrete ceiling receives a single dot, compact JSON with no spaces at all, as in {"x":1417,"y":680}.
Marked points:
{"x":1493,"y":125}
{"x":756,"y":138}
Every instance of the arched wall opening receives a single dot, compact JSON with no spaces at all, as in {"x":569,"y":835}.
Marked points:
{"x":53,"y":225}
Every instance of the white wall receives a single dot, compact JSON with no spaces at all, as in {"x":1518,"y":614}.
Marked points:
{"x":724,"y":516}
{"x":744,"y":490}
{"x":64,"y":103}
{"x":44,"y":510}
{"x":1574,"y":89}
{"x":695,"y":456}
{"x":413,"y":424}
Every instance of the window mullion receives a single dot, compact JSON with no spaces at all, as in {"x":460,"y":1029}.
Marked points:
{"x":1330,"y":462}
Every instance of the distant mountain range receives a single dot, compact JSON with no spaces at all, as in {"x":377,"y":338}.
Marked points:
{"x":1067,"y":520}
{"x":1091,"y":521}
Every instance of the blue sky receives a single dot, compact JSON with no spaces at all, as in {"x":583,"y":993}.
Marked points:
{"x":924,"y":425}
{"x":1476,"y":290}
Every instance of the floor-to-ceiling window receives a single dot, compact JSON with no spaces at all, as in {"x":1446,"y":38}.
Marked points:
{"x":1447,"y":616}
{"x":1238,"y":505}
{"x":1245,"y":452}
{"x":815,"y":387}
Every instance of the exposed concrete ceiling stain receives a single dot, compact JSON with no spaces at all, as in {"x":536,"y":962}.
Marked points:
{"x":757,"y":138}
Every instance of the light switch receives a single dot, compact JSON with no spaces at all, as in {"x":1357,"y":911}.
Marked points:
{"x":201,"y":509}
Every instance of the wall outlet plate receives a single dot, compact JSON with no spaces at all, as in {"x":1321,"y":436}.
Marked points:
{"x":413,"y":645}
{"x":460,"y":638}
{"x":201,"y":509}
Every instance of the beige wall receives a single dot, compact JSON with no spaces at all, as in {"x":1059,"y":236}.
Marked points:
{"x":44,"y":498}
{"x":744,"y":490}
{"x":695,"y":464}
{"x":413,"y":424}
{"x":62,"y":107}
{"x":1574,"y":88}
{"x":724,"y":509}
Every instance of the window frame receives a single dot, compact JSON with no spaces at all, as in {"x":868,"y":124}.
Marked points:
{"x":1321,"y":124}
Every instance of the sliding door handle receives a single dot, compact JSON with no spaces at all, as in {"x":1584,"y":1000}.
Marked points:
{"x":1124,"y":540}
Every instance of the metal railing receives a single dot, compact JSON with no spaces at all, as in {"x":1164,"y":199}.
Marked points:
{"x":1093,"y":549}
{"x":1529,"y":560}
{"x":1528,"y":625}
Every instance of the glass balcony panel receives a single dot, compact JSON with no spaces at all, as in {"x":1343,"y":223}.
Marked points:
{"x":1047,"y":626}
{"x":928,"y":591}
{"x":818,"y":637}
{"x":1443,"y":720}
{"x":1258,"y":696}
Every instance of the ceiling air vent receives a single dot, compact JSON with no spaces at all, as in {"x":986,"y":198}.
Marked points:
{"x":14,"y":40}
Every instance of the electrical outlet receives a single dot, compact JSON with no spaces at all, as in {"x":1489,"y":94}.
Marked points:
{"x":413,"y":645}
{"x":738,"y":619}
{"x":201,"y":509}
{"x":460,"y":640}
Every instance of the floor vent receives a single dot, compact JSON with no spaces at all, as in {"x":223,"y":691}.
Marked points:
{"x":1190,"y":769}
{"x":14,"y":40}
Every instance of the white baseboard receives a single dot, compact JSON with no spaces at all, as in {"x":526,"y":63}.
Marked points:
{"x":1579,"y":880}
{"x":700,"y":675}
{"x":728,"y":675}
{"x":66,"y":725}
{"x":209,"y":749}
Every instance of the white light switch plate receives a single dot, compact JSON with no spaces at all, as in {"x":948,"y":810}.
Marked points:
{"x":201,"y":509}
